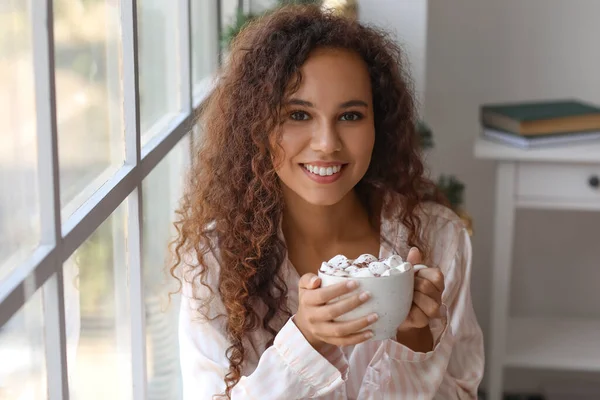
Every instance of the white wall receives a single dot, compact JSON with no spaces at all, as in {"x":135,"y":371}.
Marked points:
{"x":407,"y":20}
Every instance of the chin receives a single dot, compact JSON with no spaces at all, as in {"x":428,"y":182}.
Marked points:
{"x":323,"y":199}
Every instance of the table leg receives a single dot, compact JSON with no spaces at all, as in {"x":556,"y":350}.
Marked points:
{"x":504,"y":218}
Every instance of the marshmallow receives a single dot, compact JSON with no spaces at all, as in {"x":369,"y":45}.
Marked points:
{"x":393,"y":261}
{"x":326,"y":268}
{"x":363,"y":273}
{"x":377,"y":268}
{"x":351,"y":269}
{"x":405,"y":266}
{"x":365,"y":259}
{"x":365,"y":266}
{"x":339,"y":261}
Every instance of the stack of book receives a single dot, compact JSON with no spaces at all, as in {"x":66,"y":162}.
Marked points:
{"x":538,"y":124}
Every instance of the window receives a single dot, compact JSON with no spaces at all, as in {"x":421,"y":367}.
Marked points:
{"x":95,"y":115}
{"x":162,"y":189}
{"x":229,"y":11}
{"x":19,"y":201}
{"x":97,"y":313}
{"x":205,"y":46}
{"x":23,"y":369}
{"x":161,"y":89}
{"x":89,"y":109}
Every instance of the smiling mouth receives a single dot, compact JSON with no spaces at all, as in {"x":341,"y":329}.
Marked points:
{"x":323,"y":171}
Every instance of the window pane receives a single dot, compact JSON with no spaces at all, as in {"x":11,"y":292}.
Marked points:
{"x":19,"y":202}
{"x":98,"y":314}
{"x":22,"y":351}
{"x":88,"y":96}
{"x":160,"y":86}
{"x":162,"y":190}
{"x":229,"y":12}
{"x":205,"y":40}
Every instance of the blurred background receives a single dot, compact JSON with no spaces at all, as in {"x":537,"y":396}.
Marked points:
{"x":462,"y":53}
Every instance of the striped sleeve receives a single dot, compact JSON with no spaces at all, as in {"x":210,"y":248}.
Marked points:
{"x":337,"y":358}
{"x":454,"y":368}
{"x":291,"y":368}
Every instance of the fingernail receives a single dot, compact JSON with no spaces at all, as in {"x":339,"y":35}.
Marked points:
{"x":364,"y":296}
{"x":372,"y":318}
{"x":369,"y":335}
{"x":413,"y":248}
{"x":352,"y":284}
{"x":313,"y":280}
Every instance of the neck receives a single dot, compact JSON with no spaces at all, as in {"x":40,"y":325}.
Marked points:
{"x":320,"y":227}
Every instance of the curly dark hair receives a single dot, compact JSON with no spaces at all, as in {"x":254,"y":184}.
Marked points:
{"x":234,"y":200}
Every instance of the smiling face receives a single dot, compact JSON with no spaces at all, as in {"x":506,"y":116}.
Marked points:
{"x":328,"y":132}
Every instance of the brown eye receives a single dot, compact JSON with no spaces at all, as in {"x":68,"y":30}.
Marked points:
{"x":351,"y":116}
{"x":299,"y":116}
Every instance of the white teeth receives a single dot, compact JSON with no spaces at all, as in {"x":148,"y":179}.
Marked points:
{"x":323,"y":171}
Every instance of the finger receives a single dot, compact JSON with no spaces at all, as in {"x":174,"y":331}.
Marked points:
{"x":416,"y":318}
{"x":429,"y":306}
{"x":414,"y":256}
{"x":331,"y":311}
{"x":309,"y":281}
{"x":344,"y":328}
{"x":426,"y":287}
{"x":353,"y":339}
{"x":433,"y":275}
{"x":321,"y":296}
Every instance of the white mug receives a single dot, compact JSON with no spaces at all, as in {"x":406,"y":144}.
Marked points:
{"x":391,"y":298}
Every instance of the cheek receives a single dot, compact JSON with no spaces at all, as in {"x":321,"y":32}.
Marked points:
{"x":362,"y":146}
{"x":288,"y":148}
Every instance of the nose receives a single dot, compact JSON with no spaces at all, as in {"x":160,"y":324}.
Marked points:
{"x":325,"y":139}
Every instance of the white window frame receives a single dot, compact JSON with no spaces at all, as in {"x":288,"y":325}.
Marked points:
{"x":44,"y":268}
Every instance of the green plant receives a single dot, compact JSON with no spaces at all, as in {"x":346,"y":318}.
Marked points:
{"x":232,"y":30}
{"x":453,"y":189}
{"x":425,"y":135}
{"x":242,"y":18}
{"x":94,"y":260}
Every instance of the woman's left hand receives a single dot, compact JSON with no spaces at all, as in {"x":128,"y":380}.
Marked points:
{"x":427,"y":297}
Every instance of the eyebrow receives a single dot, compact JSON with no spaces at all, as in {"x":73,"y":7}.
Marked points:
{"x":347,"y":104}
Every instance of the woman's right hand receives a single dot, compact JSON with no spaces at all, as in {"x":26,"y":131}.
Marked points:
{"x":315,"y":317}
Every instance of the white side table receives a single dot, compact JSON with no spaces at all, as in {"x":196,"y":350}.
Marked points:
{"x":566,"y":178}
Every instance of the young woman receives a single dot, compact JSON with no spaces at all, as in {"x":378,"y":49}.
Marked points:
{"x":309,"y":150}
